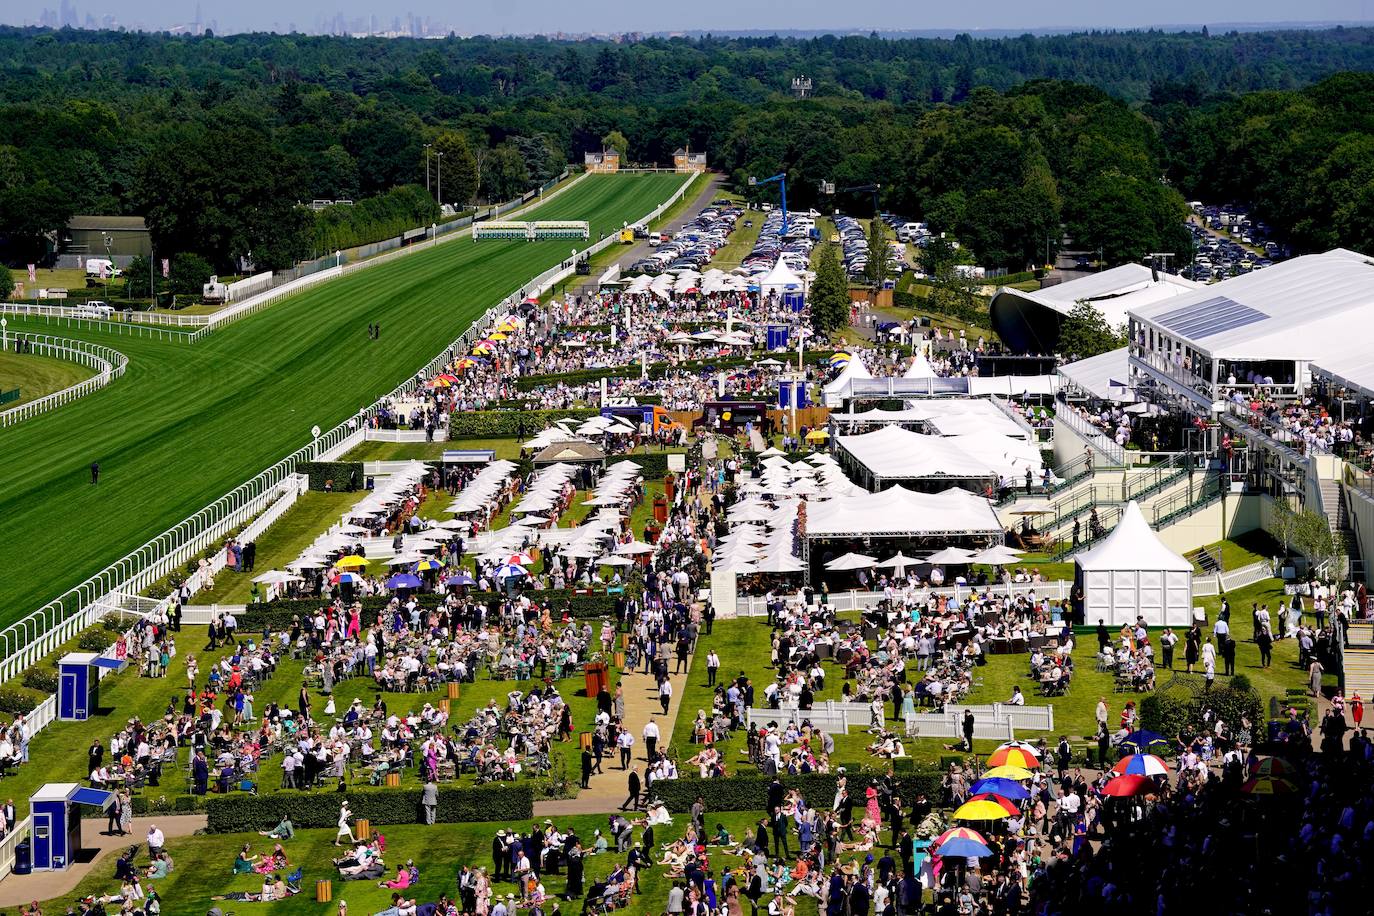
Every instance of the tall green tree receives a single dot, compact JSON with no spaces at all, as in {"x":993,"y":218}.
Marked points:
{"x":1084,"y":332}
{"x":616,"y":140}
{"x":876,"y":270}
{"x":459,"y":168}
{"x":829,"y":293}
{"x":504,"y":174}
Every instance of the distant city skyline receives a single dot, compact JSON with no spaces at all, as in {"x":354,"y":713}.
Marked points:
{"x":437,"y":18}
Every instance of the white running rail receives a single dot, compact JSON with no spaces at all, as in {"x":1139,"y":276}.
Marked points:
{"x":108,"y":365}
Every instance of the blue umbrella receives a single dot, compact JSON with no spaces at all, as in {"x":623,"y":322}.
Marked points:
{"x":1006,"y":788}
{"x":507,"y":570}
{"x":461,"y":579}
{"x":1140,"y":742}
{"x":403,"y":580}
{"x":963,"y":848}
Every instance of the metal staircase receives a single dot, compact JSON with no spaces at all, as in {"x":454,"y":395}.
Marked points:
{"x":1336,"y":508}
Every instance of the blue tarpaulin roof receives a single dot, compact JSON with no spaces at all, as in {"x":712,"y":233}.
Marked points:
{"x":116,"y":663}
{"x":98,"y":797}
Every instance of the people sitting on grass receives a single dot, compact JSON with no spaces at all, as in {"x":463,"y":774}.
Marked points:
{"x":406,"y":875}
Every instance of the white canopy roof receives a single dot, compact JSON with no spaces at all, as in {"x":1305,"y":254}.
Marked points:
{"x":896,"y":453}
{"x":1132,"y":545}
{"x":1301,"y":309}
{"x":1030,"y":320}
{"x":899,"y":511}
{"x":1104,"y":376}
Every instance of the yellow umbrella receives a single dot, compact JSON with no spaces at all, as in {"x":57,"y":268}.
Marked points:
{"x":982,"y":810}
{"x":351,"y":562}
{"x":508,"y":325}
{"x":1007,"y":772}
{"x":817,"y":435}
{"x":496,"y":336}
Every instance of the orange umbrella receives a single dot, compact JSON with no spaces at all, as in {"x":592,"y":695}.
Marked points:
{"x":1131,"y":784}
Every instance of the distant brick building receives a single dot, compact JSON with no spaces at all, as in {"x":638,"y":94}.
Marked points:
{"x":684,"y":160}
{"x":607,"y":160}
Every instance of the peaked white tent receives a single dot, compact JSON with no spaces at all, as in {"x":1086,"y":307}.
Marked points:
{"x":837,"y":389}
{"x":920,"y":368}
{"x":781,"y":279}
{"x":1131,"y":573}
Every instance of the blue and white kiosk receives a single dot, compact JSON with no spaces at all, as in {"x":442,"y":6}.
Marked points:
{"x":79,"y":683}
{"x":56,"y":831}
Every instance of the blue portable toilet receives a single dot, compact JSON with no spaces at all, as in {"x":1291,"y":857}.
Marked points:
{"x":793,"y":393}
{"x":778,"y":335}
{"x":79,"y":683}
{"x":794,"y":301}
{"x":56,"y":827}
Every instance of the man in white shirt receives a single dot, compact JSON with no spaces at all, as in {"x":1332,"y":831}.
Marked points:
{"x":155,"y":841}
{"x":650,"y":735}
{"x":1016,"y":698}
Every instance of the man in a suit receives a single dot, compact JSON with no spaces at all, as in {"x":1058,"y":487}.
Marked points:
{"x":632,"y":799}
{"x":429,"y":800}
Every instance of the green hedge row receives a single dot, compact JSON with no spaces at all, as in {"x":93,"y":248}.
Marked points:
{"x":503,"y":424}
{"x":239,"y":813}
{"x":277,"y":615}
{"x":749,"y":791}
{"x":339,"y":476}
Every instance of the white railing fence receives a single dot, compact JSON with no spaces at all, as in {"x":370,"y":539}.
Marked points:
{"x":1090,"y":434}
{"x":36,"y":635}
{"x":108,"y":365}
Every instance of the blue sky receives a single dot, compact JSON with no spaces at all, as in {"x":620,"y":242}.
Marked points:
{"x":523,"y":16}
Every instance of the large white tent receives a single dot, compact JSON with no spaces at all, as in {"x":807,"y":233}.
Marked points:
{"x":898,"y":512}
{"x":781,"y":279}
{"x":894,"y":453}
{"x":1131,"y":573}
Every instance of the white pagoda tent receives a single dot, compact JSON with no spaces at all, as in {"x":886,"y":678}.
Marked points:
{"x":1133,"y":574}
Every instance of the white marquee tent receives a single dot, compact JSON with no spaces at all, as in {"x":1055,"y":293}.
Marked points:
{"x":837,"y":389}
{"x":1131,"y":573}
{"x":894,"y":453}
{"x":898,"y":512}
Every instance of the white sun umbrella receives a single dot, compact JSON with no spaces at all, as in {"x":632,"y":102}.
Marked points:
{"x":405,"y":559}
{"x":581,"y":551}
{"x":998,"y":555}
{"x":954,"y":555}
{"x":852,"y":561}
{"x":308,"y":561}
{"x":780,"y":563}
{"x":634,"y":548}
{"x":772,"y":452}
{"x":276,"y":577}
{"x":615,"y":561}
{"x":534,"y":519}
{"x":350,"y":529}
{"x":899,"y":563}
{"x":705,"y":335}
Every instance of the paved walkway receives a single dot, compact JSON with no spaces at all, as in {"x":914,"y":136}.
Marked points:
{"x":608,"y":790}
{"x":17,"y":890}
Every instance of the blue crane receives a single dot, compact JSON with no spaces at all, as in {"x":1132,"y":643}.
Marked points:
{"x":781,"y":179}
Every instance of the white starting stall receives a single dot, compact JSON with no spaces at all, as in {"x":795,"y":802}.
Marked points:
{"x":1132,"y":573}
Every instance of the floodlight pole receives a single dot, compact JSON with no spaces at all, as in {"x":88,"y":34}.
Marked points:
{"x":781,"y":179}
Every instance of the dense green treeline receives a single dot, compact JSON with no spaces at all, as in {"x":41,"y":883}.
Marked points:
{"x":1002,"y":142}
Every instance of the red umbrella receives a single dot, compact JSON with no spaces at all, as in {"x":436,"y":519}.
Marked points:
{"x":1130,"y":784}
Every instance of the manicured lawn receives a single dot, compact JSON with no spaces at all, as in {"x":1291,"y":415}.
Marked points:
{"x":743,"y":646}
{"x":203,"y":865}
{"x":1248,"y":548}
{"x":283,"y":542}
{"x":36,"y":376}
{"x":190,"y":422}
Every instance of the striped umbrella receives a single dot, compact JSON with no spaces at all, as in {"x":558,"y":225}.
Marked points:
{"x":1014,"y":757}
{"x":349,"y":578}
{"x":520,"y":559}
{"x":1141,"y":765}
{"x":1268,"y":785}
{"x":1007,"y":772}
{"x":1270,"y":766}
{"x":963,"y":843}
{"x":510,"y":570}
{"x":428,"y":566}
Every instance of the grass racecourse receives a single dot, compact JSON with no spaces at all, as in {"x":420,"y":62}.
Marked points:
{"x":187,"y":423}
